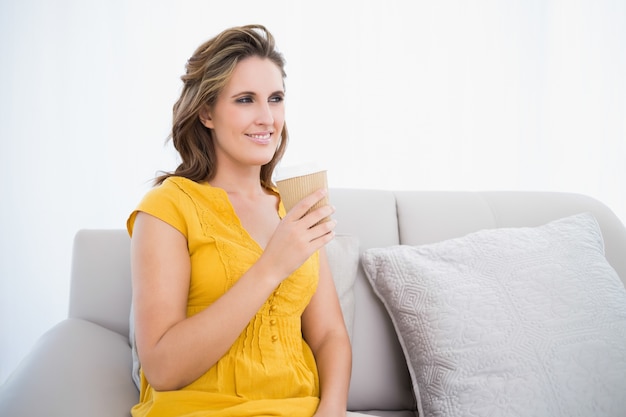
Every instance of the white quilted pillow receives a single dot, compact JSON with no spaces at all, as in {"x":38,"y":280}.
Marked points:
{"x":509,"y":322}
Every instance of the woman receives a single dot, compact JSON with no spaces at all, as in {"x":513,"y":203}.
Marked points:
{"x":235,"y":308}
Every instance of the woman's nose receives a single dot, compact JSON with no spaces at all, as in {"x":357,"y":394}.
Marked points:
{"x":265,"y":115}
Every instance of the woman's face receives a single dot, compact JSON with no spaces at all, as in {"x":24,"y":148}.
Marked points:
{"x":248,"y":117}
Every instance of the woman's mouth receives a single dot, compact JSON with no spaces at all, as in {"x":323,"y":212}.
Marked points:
{"x":262,"y":138}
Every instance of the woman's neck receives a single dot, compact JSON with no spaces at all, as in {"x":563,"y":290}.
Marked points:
{"x":239,"y":183}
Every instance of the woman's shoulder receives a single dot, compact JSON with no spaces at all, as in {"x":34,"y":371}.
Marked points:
{"x":169,"y":189}
{"x":171,"y":201}
{"x":177,"y":184}
{"x":175,"y":187}
{"x":190,"y":195}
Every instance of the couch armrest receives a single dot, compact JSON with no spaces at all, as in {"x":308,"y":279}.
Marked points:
{"x":76,"y":369}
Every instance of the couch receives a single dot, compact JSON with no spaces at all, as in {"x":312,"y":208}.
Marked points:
{"x":82,"y":366}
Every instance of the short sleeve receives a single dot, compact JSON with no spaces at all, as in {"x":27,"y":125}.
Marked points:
{"x":166,"y":202}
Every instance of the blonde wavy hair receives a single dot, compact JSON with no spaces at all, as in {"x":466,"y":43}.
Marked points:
{"x":207,"y":72}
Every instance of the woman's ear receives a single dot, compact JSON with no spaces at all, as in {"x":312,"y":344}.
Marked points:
{"x":205,"y":116}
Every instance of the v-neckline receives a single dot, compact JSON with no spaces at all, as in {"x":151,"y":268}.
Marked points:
{"x":236,"y":217}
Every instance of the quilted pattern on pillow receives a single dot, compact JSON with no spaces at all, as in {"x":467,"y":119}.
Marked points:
{"x":509,"y":322}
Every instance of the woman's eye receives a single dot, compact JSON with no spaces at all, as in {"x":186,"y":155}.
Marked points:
{"x":276,"y":99}
{"x":244,"y":100}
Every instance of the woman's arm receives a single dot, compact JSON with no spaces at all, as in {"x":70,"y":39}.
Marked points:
{"x":325,"y":331}
{"x":175,"y":350}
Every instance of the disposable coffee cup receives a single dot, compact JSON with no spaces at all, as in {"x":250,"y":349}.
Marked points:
{"x":297,"y":181}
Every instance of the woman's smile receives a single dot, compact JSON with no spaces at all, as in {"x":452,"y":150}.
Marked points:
{"x":261,"y":138}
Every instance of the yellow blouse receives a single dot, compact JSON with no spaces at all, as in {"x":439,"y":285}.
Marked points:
{"x":269,"y":370}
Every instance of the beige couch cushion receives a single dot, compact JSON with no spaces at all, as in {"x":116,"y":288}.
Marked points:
{"x":343,"y":259}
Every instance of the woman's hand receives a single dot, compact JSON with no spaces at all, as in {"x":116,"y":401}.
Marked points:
{"x":298,"y":236}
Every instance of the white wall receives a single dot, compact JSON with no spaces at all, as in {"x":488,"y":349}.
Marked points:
{"x":524,"y":95}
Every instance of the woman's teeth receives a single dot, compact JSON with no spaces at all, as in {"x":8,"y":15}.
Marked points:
{"x":262,"y":138}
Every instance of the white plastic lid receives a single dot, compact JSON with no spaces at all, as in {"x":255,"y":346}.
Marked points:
{"x":298,"y":170}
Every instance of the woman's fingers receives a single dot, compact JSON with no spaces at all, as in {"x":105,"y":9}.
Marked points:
{"x":317,"y":215}
{"x":303,"y":206}
{"x":300,"y":234}
{"x":322,"y":233}
{"x":303,"y":214}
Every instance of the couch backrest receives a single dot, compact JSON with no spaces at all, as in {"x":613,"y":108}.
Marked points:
{"x":101,"y":291}
{"x":427,"y":217}
{"x":380,"y":378}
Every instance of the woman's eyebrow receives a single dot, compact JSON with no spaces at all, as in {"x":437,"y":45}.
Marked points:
{"x":244,"y":93}
{"x":252,"y":93}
